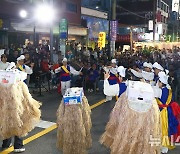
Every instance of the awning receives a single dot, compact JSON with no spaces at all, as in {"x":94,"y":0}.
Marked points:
{"x":72,"y":30}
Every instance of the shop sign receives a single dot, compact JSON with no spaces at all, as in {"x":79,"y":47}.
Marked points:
{"x":175,"y":5}
{"x":1,"y":23}
{"x":150,"y":26}
{"x":113,"y":30}
{"x":102,"y":40}
{"x":63,"y":29}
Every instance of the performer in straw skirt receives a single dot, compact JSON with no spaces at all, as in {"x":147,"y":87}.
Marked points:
{"x":134,"y":123}
{"x":19,"y":113}
{"x":74,"y":125}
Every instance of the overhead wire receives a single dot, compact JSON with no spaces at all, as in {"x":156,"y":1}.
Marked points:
{"x":131,"y":12}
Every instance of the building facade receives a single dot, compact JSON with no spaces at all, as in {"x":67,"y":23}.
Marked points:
{"x":14,"y":29}
{"x":138,"y":13}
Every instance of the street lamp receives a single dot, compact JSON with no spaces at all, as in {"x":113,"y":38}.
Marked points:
{"x":45,"y":13}
{"x":23,"y":13}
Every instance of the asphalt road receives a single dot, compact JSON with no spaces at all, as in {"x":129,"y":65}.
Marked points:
{"x":100,"y":116}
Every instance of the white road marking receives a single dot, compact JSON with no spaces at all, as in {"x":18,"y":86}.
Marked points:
{"x":45,"y":124}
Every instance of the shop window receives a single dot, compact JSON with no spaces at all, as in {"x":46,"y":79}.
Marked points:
{"x":71,"y":7}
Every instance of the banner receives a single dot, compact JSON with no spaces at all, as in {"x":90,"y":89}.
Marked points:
{"x":102,"y":40}
{"x":150,"y":26}
{"x":113,"y":30}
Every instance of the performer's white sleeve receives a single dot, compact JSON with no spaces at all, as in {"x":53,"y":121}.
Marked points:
{"x":28,"y":70}
{"x":111,"y":90}
{"x":57,"y":70}
{"x":73,"y":71}
{"x":157,"y":92}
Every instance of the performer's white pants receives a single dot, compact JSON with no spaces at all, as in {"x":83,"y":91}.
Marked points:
{"x":164,"y":150}
{"x":64,"y":86}
{"x":108,"y":98}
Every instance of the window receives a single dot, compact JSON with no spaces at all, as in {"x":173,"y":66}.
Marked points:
{"x":159,"y":3}
{"x":162,"y":18}
{"x":162,"y":5}
{"x":71,"y":7}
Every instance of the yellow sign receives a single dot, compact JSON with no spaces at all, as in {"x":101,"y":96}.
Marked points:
{"x":102,"y":40}
{"x":1,"y":23}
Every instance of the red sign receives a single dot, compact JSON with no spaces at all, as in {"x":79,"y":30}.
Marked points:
{"x":158,"y":16}
{"x":123,"y":38}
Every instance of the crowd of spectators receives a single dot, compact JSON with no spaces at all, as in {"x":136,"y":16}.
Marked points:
{"x":92,"y":62}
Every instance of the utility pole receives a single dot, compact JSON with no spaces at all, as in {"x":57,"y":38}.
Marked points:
{"x":154,"y":19}
{"x":131,"y":38}
{"x":51,"y":35}
{"x":112,"y":16}
{"x":109,"y":31}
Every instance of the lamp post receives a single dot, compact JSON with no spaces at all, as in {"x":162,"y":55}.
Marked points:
{"x":45,"y":14}
{"x":131,"y":37}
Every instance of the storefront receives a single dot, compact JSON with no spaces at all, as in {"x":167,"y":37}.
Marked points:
{"x":96,"y":22}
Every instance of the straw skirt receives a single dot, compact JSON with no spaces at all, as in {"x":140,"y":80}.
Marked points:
{"x":19,"y":112}
{"x":130,"y":132}
{"x":74,"y":125}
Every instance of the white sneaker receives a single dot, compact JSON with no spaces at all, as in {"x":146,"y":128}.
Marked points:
{"x":19,"y":150}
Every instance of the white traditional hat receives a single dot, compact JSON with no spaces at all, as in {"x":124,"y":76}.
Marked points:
{"x":113,"y":61}
{"x":158,"y":66}
{"x":136,"y":74}
{"x":149,"y":76}
{"x":11,"y":66}
{"x":166,"y":71}
{"x":163,"y":77}
{"x":122,"y":71}
{"x":64,"y":60}
{"x":149,"y":65}
{"x":21,"y":58}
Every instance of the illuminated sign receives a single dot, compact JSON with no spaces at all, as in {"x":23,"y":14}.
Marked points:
{"x":175,"y":5}
{"x":1,"y":23}
{"x":150,"y":26}
{"x":102,"y":40}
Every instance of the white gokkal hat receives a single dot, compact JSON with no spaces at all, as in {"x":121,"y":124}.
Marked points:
{"x":11,"y":66}
{"x":136,"y":74}
{"x":158,"y":66}
{"x":22,"y":57}
{"x":149,"y":65}
{"x":149,"y":76}
{"x":64,"y":60}
{"x":113,"y":61}
{"x":163,"y":77}
{"x":166,"y":71}
{"x":122,"y":71}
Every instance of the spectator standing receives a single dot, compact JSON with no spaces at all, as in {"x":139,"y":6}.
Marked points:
{"x":13,"y":57}
{"x":93,"y":75}
{"x":3,"y":63}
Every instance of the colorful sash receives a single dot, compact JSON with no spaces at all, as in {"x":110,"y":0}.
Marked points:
{"x":21,"y":68}
{"x":164,"y":120}
{"x":65,"y":69}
